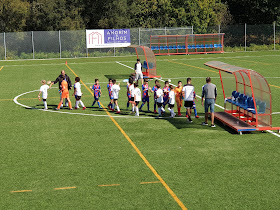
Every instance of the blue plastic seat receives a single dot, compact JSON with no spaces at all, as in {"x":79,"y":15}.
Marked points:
{"x":211,"y":45}
{"x":198,"y":46}
{"x":161,"y":47}
{"x":184,"y":47}
{"x":165,"y":47}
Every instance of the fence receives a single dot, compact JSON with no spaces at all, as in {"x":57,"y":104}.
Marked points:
{"x":71,"y":44}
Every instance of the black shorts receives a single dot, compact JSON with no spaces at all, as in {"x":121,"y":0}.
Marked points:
{"x":44,"y":99}
{"x":159,"y":104}
{"x":136,"y":103}
{"x":171,"y":106}
{"x":115,"y":100}
{"x":78,"y":98}
{"x":131,"y":99}
{"x":188,"y":104}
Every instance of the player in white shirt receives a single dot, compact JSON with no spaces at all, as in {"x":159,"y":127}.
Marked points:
{"x":130,"y":89}
{"x":137,"y":98}
{"x":171,"y":101}
{"x":138,"y":71}
{"x":188,"y":95}
{"x":44,"y":90}
{"x":115,"y":92}
{"x":78,"y":93}
{"x":159,"y":95}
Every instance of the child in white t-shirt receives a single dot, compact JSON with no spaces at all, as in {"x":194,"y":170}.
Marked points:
{"x":159,"y":95}
{"x":137,"y":98}
{"x":44,"y":90}
{"x":171,"y":101}
{"x":78,"y":93}
{"x":115,"y":92}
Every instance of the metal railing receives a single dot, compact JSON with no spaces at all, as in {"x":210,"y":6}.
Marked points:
{"x":71,"y":44}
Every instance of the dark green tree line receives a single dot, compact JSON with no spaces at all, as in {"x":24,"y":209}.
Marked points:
{"x":42,"y":15}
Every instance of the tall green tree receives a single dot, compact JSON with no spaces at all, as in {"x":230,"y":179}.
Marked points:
{"x":13,"y":14}
{"x":54,"y":15}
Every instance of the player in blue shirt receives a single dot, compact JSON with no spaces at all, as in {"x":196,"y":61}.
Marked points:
{"x":145,"y":95}
{"x":97,"y":92}
{"x":154,"y":90}
{"x":109,"y":85}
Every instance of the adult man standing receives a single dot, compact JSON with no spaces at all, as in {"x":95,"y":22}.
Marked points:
{"x":59,"y":79}
{"x":187,"y":93}
{"x":138,"y":71}
{"x":209,"y":92}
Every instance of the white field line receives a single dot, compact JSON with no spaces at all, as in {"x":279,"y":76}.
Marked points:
{"x":75,"y":113}
{"x":200,"y":97}
{"x":84,"y":63}
{"x":273,"y":133}
{"x":124,"y":65}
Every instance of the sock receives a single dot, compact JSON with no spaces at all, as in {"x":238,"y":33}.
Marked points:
{"x":113,"y":106}
{"x":148,"y":105}
{"x":137,"y":111}
{"x":162,"y":109}
{"x":195,"y":112}
{"x":98,"y":103}
{"x":93,"y":103}
{"x":155,"y":106}
{"x":159,"y":110}
{"x":59,"y":105}
{"x":127,"y":104}
{"x":172,"y":113}
{"x":186,"y":112}
{"x":133,"y":108}
{"x":118,"y":108}
{"x":82,"y":103}
{"x":77,"y":104}
{"x":70,"y":104}
{"x":169,"y":109}
{"x":179,"y":111}
{"x":45,"y":105}
{"x":141,"y":106}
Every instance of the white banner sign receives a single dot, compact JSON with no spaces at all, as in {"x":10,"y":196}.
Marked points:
{"x":107,"y":38}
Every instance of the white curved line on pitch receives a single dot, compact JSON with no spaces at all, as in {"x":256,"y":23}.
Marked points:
{"x":75,"y":113}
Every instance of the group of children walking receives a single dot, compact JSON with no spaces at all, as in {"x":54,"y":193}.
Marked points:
{"x":166,"y":96}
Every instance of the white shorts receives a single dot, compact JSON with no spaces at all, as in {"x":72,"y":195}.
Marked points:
{"x":138,"y":76}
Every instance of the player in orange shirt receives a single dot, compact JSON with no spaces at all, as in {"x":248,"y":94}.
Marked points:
{"x":178,"y":98}
{"x":65,"y":94}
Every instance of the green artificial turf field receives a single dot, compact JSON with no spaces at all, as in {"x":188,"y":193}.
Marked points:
{"x":94,"y":159}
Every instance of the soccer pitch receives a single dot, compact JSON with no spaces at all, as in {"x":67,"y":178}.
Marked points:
{"x":96,"y":159}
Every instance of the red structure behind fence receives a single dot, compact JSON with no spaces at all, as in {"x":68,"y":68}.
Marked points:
{"x":187,"y":44}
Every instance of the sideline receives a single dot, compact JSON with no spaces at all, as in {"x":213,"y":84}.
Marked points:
{"x":138,"y":151}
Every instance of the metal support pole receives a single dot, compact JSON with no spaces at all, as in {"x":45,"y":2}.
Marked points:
{"x":192,"y":29}
{"x":59,"y":40}
{"x":139,"y":36}
{"x":33,"y":48}
{"x":245,"y":35}
{"x":5,"y":46}
{"x":274,"y":33}
{"x":165,"y":31}
{"x":219,"y":29}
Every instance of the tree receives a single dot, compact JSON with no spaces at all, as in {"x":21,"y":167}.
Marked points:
{"x":13,"y":15}
{"x":254,"y":12}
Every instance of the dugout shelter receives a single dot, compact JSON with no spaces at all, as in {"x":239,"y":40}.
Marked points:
{"x":148,"y":59}
{"x":187,"y":44}
{"x":247,"y":98}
